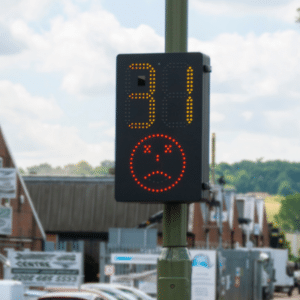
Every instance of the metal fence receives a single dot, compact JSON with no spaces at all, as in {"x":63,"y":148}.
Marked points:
{"x":123,"y":269}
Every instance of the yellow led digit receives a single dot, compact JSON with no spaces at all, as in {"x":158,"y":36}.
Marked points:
{"x":189,"y":89}
{"x":145,"y":96}
{"x":178,"y":95}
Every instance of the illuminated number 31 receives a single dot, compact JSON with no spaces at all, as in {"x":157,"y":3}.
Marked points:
{"x":150,"y":93}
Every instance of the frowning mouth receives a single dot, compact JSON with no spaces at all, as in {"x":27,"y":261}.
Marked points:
{"x":157,"y":173}
{"x":147,"y":153}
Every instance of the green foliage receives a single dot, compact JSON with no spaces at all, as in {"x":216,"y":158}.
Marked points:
{"x":104,"y":167}
{"x":22,"y":172}
{"x":288,"y":216}
{"x":273,"y":177}
{"x":298,"y":17}
{"x":82,"y":168}
{"x":285,"y":189}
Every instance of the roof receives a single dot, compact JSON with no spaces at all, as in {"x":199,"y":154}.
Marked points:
{"x":261,"y":195}
{"x":83,"y":204}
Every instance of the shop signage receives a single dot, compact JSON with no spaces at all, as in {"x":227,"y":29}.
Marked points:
{"x":45,"y":268}
{"x":8,"y":183}
{"x":204,"y":265}
{"x":5,"y":220}
{"x":136,"y":259}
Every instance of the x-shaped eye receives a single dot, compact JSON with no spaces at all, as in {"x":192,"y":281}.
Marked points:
{"x":168,"y":148}
{"x":147,"y":148}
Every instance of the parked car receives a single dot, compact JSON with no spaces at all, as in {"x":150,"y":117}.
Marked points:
{"x":71,"y":296}
{"x":103,"y":295}
{"x":109,"y":289}
{"x":33,"y":294}
{"x":133,"y":291}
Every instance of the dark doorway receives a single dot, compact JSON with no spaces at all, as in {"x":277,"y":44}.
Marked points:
{"x":91,"y":260}
{"x":91,"y":269}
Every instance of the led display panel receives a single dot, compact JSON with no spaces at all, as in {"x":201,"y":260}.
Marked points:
{"x":162,"y":127}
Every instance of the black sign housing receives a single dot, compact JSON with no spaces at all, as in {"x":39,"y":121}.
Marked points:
{"x":162,"y":127}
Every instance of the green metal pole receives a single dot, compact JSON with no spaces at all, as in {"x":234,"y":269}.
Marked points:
{"x":174,"y":266}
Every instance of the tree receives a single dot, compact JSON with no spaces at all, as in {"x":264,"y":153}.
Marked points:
{"x":45,"y":168}
{"x":22,"y":172}
{"x":41,"y":169}
{"x":69,"y":169}
{"x":83,"y":168}
{"x":107,"y":164}
{"x":104,"y":167}
{"x":288,"y":217}
{"x":285,"y":189}
{"x":298,"y":18}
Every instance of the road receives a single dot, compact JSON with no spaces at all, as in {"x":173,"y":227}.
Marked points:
{"x":284,"y":296}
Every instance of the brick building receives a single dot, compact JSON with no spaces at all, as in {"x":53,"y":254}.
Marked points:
{"x":26,"y":230}
{"x":237,"y":211}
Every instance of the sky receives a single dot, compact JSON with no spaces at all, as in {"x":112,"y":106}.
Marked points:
{"x":58,"y":74}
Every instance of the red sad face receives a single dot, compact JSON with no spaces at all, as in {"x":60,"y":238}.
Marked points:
{"x":157,"y":163}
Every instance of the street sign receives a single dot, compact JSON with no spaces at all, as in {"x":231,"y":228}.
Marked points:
{"x":215,"y":215}
{"x":8,"y":183}
{"x":109,"y":270}
{"x":162,"y":130}
{"x":204,"y":274}
{"x":256,"y":229}
{"x":134,"y":259}
{"x":45,"y":268}
{"x":6,"y":220}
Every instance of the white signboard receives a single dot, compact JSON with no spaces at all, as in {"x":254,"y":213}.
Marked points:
{"x":5,"y":220}
{"x":204,"y":267}
{"x":214,"y":216}
{"x":109,"y":270}
{"x":8,"y":183}
{"x":45,"y":268}
{"x":256,"y":229}
{"x":137,"y":259}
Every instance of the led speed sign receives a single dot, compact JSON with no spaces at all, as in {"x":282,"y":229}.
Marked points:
{"x":162,"y":130}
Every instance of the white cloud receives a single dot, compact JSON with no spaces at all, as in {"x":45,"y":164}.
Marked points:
{"x":283,"y":10}
{"x":253,"y":77}
{"x":287,"y":11}
{"x":216,"y":117}
{"x":252,"y":146}
{"x":218,"y":99}
{"x":247,"y":115}
{"x":61,"y":144}
{"x":102,"y":128}
{"x":255,"y":65}
{"x":84,"y":47}
{"x":99,"y":124}
{"x":81,"y":45}
{"x":285,"y":122}
{"x":111,"y":132}
{"x":34,"y":129}
{"x":56,"y":144}
{"x":29,"y":10}
{"x":16,"y":102}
